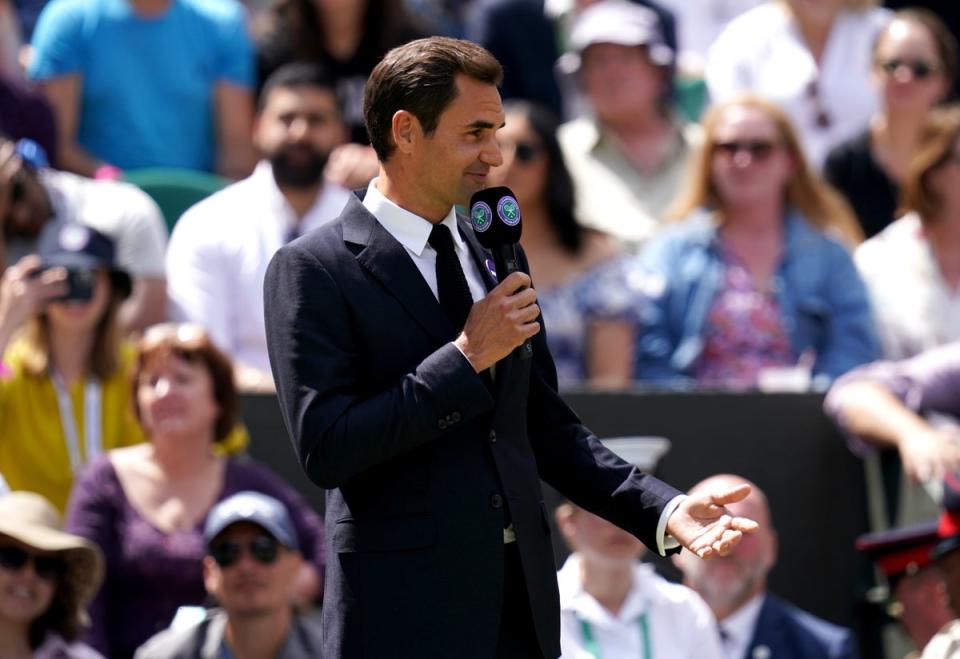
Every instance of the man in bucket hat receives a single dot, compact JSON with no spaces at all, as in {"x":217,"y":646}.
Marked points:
{"x":251,"y":565}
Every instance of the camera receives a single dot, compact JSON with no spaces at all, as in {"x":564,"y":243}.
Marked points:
{"x":80,"y":283}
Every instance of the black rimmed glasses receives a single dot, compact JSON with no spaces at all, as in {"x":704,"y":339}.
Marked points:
{"x":14,"y":559}
{"x":263,"y":549}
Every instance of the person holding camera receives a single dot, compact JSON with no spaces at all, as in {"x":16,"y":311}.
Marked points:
{"x":64,"y":395}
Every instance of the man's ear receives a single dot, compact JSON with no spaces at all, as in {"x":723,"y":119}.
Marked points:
{"x":406,"y":131}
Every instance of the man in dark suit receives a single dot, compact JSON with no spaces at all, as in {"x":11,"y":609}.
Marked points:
{"x":428,"y":430}
{"x":753,"y":623}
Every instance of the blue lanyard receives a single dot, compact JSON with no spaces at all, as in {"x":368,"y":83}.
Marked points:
{"x":594,"y":648}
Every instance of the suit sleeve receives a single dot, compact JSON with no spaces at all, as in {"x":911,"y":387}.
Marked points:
{"x":340,"y":427}
{"x":571,"y":458}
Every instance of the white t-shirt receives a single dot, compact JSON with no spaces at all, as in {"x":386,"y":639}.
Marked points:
{"x":218,"y":256}
{"x":669,"y":619}
{"x":762,"y":51}
{"x":119,"y":210}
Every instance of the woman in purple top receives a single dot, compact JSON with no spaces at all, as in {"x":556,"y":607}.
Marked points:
{"x":145,"y":506}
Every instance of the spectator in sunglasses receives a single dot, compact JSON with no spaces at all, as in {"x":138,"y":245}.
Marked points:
{"x":46,"y":579}
{"x":914,"y":69}
{"x":590,"y":319}
{"x":145,"y":506}
{"x":755,"y":279}
{"x":251,"y":567}
{"x":912,"y":268}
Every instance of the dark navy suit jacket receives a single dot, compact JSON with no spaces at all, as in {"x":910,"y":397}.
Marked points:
{"x":785,"y":632}
{"x":423,"y":462}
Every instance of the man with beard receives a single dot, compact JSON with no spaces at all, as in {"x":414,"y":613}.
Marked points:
{"x":220,"y":248}
{"x":754,"y":624}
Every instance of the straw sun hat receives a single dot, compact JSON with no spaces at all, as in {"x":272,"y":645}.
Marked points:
{"x":33,"y":521}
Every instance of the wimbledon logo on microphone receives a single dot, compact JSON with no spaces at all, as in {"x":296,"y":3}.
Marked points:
{"x":481,"y":215}
{"x":509,"y":211}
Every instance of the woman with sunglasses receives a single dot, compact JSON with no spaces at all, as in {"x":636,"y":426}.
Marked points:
{"x":63,"y":382}
{"x":46,"y":578}
{"x":912,"y":268}
{"x":591,"y":334}
{"x":914,"y":69}
{"x":812,"y":58}
{"x":145,"y":505}
{"x":754,"y":280}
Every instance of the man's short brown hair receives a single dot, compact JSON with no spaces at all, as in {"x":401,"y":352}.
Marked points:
{"x":420,"y":77}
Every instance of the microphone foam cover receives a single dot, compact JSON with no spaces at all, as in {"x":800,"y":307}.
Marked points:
{"x":495,"y":216}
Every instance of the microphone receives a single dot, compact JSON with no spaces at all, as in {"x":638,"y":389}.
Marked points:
{"x":495,"y":216}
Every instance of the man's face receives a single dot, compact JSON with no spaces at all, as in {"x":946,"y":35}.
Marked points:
{"x":950,"y":568}
{"x":596,"y":539}
{"x":27,"y":208}
{"x":727,"y":582}
{"x":251,"y":585}
{"x":453,"y":161}
{"x":296,"y":131}
{"x":620,"y":81}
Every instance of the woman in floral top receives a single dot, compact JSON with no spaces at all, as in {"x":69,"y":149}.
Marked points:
{"x":757,"y":276}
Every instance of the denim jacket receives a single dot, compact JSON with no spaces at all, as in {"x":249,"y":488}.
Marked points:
{"x":822,"y":300}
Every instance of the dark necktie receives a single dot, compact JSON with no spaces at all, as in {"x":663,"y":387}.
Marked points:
{"x":452,"y":288}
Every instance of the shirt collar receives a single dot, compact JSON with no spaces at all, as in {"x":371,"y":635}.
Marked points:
{"x":739,"y":625}
{"x":410,"y":230}
{"x":583,"y":605}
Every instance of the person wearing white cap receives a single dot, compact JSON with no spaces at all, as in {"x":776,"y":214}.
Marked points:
{"x":47,"y":577}
{"x":628,"y":157}
{"x":252,"y":562}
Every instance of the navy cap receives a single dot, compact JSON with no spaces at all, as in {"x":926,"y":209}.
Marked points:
{"x":74,"y":245}
{"x":902,"y":551}
{"x":256,"y":508}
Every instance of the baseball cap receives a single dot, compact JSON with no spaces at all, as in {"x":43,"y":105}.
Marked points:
{"x":256,"y":508}
{"x":618,"y":22}
{"x":74,"y":245}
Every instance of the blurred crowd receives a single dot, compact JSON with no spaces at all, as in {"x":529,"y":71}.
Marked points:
{"x":721,"y":195}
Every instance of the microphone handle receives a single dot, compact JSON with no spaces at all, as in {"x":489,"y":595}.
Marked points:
{"x":506,"y":262}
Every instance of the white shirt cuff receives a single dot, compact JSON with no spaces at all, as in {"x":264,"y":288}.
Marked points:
{"x":665,"y":542}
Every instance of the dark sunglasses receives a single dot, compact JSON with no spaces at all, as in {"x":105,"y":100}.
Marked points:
{"x":757,"y":149}
{"x":919,"y":69}
{"x":15,"y":559}
{"x":264,"y":550}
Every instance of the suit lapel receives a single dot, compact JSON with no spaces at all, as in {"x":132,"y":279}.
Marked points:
{"x":387,"y":260}
{"x":768,"y":636}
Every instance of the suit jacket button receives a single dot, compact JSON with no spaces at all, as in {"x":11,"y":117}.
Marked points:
{"x":442,"y":424}
{"x":493,"y":436}
{"x":496,"y":501}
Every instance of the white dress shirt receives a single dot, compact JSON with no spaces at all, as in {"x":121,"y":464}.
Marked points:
{"x":738,"y":629}
{"x":678,"y":623}
{"x":699,"y":23}
{"x":413,"y":231}
{"x":762,"y":51}
{"x":218,"y":255}
{"x":914,"y":307}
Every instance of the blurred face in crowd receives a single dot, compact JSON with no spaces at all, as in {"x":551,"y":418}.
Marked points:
{"x":25,"y":207}
{"x":28,"y":581}
{"x":175,"y":397}
{"x":524,"y":168}
{"x":296,"y":131}
{"x":818,"y":11}
{"x":949,"y":565}
{"x":749,"y":163}
{"x":621,"y":82}
{"x":250,"y":572}
{"x":907,"y":69}
{"x":81,"y":315}
{"x":596,"y":539}
{"x":727,"y":582}
{"x":924,"y":604}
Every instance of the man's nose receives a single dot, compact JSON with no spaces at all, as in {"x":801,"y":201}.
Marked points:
{"x":491,"y":154}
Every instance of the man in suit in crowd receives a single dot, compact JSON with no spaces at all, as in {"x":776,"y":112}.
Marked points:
{"x":755,"y":624}
{"x":428,"y":430}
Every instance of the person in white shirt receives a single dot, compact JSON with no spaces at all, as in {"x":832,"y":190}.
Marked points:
{"x":614,"y":607}
{"x":812,"y":58}
{"x":220,"y":248}
{"x":754,"y":624}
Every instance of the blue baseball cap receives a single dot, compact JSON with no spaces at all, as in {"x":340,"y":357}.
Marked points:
{"x":256,"y":508}
{"x":74,"y":245}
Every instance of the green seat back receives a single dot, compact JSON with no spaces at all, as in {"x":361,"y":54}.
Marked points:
{"x":175,"y":190}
